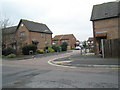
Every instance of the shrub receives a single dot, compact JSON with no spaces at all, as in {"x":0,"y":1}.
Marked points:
{"x":3,"y":56}
{"x":64,"y":46}
{"x":8,"y":51}
{"x":56,"y":47}
{"x":27,"y":48}
{"x":40,"y":51}
{"x":46,"y":49}
{"x":73,"y":48}
{"x":11,"y":56}
{"x":51,"y":50}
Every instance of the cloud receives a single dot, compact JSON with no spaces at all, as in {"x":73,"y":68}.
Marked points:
{"x":61,"y":16}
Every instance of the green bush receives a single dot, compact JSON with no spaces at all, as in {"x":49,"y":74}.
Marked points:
{"x":56,"y":47}
{"x":8,"y":51}
{"x":73,"y":48}
{"x":40,"y":51}
{"x":64,"y":46}
{"x":51,"y":50}
{"x":11,"y":56}
{"x":3,"y":56}
{"x":27,"y":48}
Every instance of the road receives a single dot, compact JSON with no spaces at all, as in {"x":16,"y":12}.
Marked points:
{"x":38,"y":73}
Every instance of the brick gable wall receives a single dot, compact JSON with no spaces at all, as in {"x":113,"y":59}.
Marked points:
{"x":110,"y":27}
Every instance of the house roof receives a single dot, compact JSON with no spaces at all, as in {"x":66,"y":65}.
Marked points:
{"x":35,"y":26}
{"x":63,"y":37}
{"x":31,"y":26}
{"x":9,"y":30}
{"x":90,"y":39}
{"x":105,"y":10}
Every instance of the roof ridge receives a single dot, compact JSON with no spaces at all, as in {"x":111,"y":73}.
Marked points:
{"x":35,"y":26}
{"x":32,"y":21}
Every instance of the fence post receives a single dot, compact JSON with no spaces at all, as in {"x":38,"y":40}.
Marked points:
{"x":102,"y":44}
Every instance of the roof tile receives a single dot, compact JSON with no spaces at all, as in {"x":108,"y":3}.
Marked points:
{"x":105,"y":10}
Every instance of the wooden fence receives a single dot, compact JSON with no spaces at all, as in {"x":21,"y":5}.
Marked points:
{"x":111,"y":48}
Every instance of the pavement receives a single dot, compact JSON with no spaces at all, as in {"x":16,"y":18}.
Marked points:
{"x":24,"y":57}
{"x":73,"y":58}
{"x":86,"y":60}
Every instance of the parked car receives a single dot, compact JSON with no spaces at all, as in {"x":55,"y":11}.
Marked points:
{"x":77,"y":48}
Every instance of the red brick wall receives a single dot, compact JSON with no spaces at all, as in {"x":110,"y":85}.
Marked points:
{"x":71,"y":40}
{"x":29,"y":36}
{"x":110,"y":25}
{"x":42,"y":38}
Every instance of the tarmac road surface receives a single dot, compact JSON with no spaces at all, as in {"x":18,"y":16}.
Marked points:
{"x":37,"y":73}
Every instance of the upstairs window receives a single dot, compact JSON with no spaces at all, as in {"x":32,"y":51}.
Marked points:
{"x":42,"y":36}
{"x":22,"y":34}
{"x":63,"y":40}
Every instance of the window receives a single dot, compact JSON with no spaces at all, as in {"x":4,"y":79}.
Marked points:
{"x":63,"y":40}
{"x":91,"y":41}
{"x":42,"y":36}
{"x":55,"y":41}
{"x":33,"y":39}
{"x":22,"y":33}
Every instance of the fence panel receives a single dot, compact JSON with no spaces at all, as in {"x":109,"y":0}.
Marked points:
{"x":111,"y":48}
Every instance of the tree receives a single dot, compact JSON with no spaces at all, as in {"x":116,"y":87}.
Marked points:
{"x":64,"y":46}
{"x":4,"y":23}
{"x":85,"y":45}
{"x":27,"y":48}
{"x":56,"y":47}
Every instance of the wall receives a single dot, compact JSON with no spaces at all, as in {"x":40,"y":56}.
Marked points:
{"x":22,"y":40}
{"x":29,"y":36}
{"x":42,"y":38}
{"x":110,"y":25}
{"x":71,"y":40}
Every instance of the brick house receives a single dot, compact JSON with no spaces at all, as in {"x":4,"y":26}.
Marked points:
{"x":27,"y":32}
{"x":106,"y":22}
{"x":90,"y":41}
{"x":8,"y":37}
{"x":69,"y":38}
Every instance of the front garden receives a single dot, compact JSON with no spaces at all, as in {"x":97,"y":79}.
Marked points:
{"x":31,"y":49}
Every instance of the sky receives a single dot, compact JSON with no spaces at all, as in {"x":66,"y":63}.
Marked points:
{"x":61,"y":16}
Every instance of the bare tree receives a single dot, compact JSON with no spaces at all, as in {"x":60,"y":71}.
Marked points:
{"x":4,"y":23}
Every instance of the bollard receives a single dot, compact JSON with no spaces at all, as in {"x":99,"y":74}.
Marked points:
{"x":31,"y":53}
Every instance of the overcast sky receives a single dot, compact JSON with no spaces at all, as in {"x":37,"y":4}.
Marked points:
{"x":61,"y":16}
